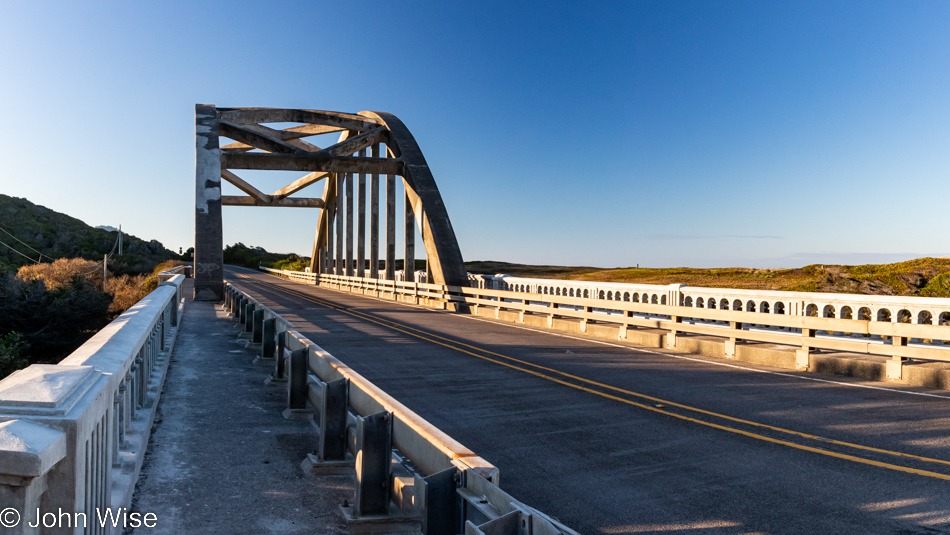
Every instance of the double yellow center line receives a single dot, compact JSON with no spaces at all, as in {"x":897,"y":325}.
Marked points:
{"x":611,"y":392}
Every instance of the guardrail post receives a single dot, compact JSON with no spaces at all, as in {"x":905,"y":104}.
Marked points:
{"x":730,"y":346}
{"x":240,"y":311}
{"x":268,"y":339}
{"x":671,"y":336}
{"x":227,"y":296}
{"x":524,"y":302}
{"x":622,"y":332}
{"x":297,"y":388}
{"x":439,"y":503}
{"x":333,"y":419}
{"x":894,"y":369}
{"x":550,"y":316}
{"x":587,"y":310}
{"x":248,"y":317}
{"x":257,"y":327}
{"x":803,"y":355}
{"x":279,"y":373}
{"x":374,"y":433}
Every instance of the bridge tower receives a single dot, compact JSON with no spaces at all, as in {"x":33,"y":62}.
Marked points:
{"x":372,"y":147}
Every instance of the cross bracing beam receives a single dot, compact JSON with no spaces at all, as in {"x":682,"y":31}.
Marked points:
{"x":244,"y":186}
{"x":311,"y":162}
{"x":347,"y":121}
{"x":370,"y":145}
{"x":292,"y":202}
{"x":298,"y":185}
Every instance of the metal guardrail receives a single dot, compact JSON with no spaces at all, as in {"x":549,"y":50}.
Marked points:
{"x":73,"y":435}
{"x":444,"y":487}
{"x":882,"y":338}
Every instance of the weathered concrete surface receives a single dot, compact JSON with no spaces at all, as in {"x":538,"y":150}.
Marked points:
{"x":222,"y":459}
{"x":209,"y":248}
{"x":602,"y":465}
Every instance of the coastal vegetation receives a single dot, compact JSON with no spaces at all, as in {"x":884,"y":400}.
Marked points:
{"x":925,"y":277}
{"x":52,"y":293}
{"x":252,"y":257}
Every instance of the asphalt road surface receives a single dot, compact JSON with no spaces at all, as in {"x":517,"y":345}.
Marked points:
{"x":613,"y":439}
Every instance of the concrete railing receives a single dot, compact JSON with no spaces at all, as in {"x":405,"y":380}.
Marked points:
{"x":899,"y":341}
{"x":896,"y":309}
{"x":444,"y":488}
{"x":169,"y":273}
{"x":73,"y":435}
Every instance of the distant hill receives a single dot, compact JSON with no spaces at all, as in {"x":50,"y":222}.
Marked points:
{"x":926,"y":277}
{"x":58,"y":235}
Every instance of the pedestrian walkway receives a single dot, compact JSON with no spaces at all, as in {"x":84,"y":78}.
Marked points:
{"x":222,"y":459}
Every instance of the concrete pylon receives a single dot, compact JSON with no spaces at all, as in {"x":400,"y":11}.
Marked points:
{"x":209,"y":252}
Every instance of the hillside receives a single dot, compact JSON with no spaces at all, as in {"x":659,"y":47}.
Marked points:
{"x":926,"y":277}
{"x":58,"y":235}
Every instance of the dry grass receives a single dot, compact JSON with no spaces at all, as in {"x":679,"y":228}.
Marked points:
{"x":60,"y":272}
{"x":126,"y":291}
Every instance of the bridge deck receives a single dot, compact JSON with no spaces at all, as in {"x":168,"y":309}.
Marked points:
{"x":569,"y":424}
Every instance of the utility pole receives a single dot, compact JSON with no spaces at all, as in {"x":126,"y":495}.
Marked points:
{"x":120,"y":240}
{"x":105,"y":271}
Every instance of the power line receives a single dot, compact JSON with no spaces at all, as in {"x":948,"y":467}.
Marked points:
{"x":93,"y":270}
{"x":26,"y":244}
{"x":21,"y":254}
{"x":99,"y":264}
{"x":114,"y":245}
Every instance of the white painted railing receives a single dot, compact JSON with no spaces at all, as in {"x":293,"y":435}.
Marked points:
{"x":73,"y":435}
{"x":896,"y":309}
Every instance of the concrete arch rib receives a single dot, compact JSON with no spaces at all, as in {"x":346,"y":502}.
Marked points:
{"x":442,"y":250}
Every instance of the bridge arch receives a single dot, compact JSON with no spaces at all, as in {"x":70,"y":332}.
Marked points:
{"x":374,"y":145}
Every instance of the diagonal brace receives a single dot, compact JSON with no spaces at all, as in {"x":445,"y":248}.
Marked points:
{"x":244,"y":186}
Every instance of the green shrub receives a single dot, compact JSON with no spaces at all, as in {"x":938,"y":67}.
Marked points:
{"x":12,"y":345}
{"x":53,"y":323}
{"x":938,"y":286}
{"x":291,"y":263}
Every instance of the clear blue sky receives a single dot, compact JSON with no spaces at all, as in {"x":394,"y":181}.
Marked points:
{"x":656,"y":133}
